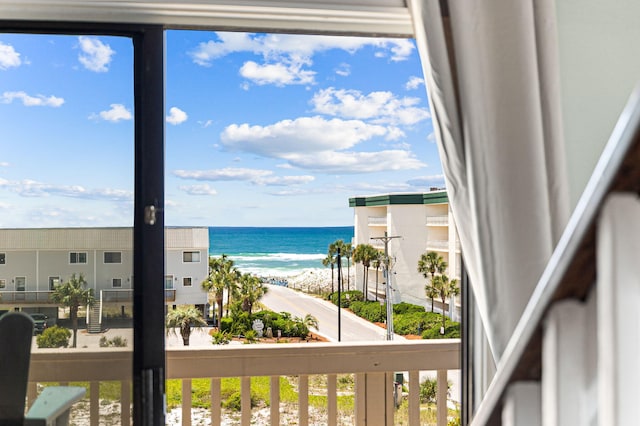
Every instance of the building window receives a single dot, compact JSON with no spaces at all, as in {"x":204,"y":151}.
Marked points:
{"x":112,"y":257}
{"x":2,"y":258}
{"x":168,"y":282}
{"x":116,"y":283}
{"x":3,"y":283}
{"x":191,"y":256}
{"x":186,"y":282}
{"x":21,"y":283}
{"x":78,"y":257}
{"x":53,"y":282}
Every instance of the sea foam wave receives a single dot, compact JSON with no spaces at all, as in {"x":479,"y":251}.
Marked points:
{"x":276,"y":257}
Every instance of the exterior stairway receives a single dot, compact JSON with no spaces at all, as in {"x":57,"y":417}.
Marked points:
{"x":94,"y":324}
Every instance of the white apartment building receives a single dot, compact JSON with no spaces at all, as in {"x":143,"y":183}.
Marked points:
{"x":33,"y":261}
{"x":422,"y":222}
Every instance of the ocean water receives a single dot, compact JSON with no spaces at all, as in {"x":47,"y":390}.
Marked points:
{"x":278,"y":251}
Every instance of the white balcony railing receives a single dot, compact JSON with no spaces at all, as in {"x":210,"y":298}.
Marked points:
{"x":373,"y":364}
{"x":377,"y":220}
{"x":442,"y":245}
{"x":441,"y":220}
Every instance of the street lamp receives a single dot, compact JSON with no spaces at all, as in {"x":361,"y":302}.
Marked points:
{"x":339,"y":264}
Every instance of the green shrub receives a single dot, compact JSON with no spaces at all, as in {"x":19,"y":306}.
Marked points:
{"x":371,"y":311}
{"x":451,"y":331}
{"x":289,"y":327}
{"x":220,"y":337}
{"x":117,"y":342}
{"x":347,"y":297}
{"x":404,"y":307}
{"x":234,"y":401}
{"x":54,"y":337}
{"x":251,"y":337}
{"x":225,"y":324}
{"x":429,"y":390}
{"x":415,"y":322}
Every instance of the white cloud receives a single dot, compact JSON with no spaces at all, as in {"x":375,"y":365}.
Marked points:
{"x":287,"y":57}
{"x":343,"y":70}
{"x":9,"y":57}
{"x":206,"y":123}
{"x":255,"y":176}
{"x":176,"y":116}
{"x":380,"y":107}
{"x":28,"y":100}
{"x":414,"y":82}
{"x":32,"y":188}
{"x":4,"y":164}
{"x":305,"y":134}
{"x":279,"y":74}
{"x":95,"y":56}
{"x":356,"y":162}
{"x":118,"y":112}
{"x":198,"y":189}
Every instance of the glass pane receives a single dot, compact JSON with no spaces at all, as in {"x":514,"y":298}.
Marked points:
{"x":268,"y":136}
{"x":66,"y":197}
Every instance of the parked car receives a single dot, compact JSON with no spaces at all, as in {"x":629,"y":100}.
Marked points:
{"x":39,"y":323}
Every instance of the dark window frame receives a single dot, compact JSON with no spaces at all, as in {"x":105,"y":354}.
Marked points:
{"x":75,"y":257}
{"x":148,"y":235}
{"x":110,"y":254}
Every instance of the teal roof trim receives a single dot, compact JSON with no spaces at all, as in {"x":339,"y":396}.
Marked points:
{"x":439,"y":197}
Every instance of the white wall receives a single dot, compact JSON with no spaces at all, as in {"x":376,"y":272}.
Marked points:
{"x":599,"y":67}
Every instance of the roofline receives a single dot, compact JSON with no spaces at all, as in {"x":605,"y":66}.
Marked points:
{"x":417,"y":198}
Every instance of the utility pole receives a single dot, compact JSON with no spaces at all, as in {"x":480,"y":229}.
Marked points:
{"x":339,"y":262}
{"x":387,"y":275}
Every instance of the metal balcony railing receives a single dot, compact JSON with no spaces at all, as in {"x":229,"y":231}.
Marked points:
{"x":25,"y":297}
{"x":377,"y":220}
{"x":440,"y":220}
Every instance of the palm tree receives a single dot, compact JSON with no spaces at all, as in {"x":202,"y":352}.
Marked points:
{"x":376,"y":263}
{"x":431,"y":263}
{"x":184,"y":317}
{"x":310,"y":321}
{"x":72,"y":295}
{"x":223,"y":275}
{"x":348,"y":253}
{"x":334,"y":247}
{"x":330,"y":261}
{"x":365,"y":254}
{"x":251,"y":290}
{"x":445,"y":288}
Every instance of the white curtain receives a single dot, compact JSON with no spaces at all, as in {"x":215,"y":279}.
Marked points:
{"x":492,"y":78}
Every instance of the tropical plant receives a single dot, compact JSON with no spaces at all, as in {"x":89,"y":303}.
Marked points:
{"x":330,"y":261}
{"x":445,"y":289}
{"x":184,"y":318}
{"x":429,"y":264}
{"x":223,"y":275}
{"x":54,"y":337}
{"x":346,"y":251}
{"x":365,"y":254}
{"x":72,"y":295}
{"x":220,"y":338}
{"x":377,"y":263}
{"x":250,"y":291}
{"x":311,"y":322}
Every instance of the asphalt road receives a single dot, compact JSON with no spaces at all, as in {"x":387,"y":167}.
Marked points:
{"x":352,"y":327}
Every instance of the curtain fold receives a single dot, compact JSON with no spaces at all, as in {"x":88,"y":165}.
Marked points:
{"x":492,"y":78}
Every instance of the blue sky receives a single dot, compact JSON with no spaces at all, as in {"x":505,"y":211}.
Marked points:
{"x":261,"y":130}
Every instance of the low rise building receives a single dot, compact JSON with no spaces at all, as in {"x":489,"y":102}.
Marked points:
{"x":33,"y":261}
{"x":422,"y":222}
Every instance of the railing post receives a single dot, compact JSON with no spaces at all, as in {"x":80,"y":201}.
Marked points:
{"x":245,"y":397}
{"x":414,"y":398}
{"x":216,"y":396}
{"x":94,"y":403}
{"x":186,"y":402}
{"x":274,"y":396}
{"x":332,"y":401}
{"x":125,"y":402}
{"x":303,"y":400}
{"x":360,"y":399}
{"x":441,"y":398}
